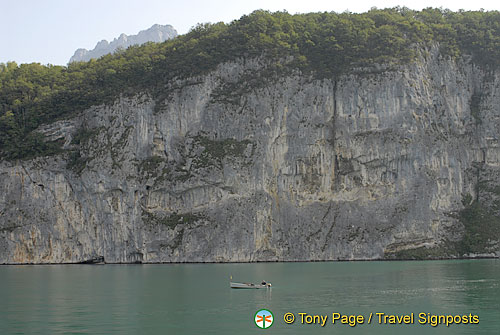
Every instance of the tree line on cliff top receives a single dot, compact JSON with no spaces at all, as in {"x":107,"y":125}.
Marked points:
{"x":322,"y":44}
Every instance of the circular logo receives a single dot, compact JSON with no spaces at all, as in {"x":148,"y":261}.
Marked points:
{"x":264,"y":318}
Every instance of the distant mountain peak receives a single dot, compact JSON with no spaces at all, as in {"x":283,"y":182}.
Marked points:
{"x":157,"y":33}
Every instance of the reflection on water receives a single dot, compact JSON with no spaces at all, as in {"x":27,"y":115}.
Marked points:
{"x":196,"y":298}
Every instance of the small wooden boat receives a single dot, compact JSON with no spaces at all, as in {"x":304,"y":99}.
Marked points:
{"x":249,"y":285}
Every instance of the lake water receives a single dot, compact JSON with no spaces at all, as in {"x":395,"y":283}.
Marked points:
{"x":196,"y":298}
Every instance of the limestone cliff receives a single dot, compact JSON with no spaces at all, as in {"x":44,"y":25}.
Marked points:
{"x":379,"y":163}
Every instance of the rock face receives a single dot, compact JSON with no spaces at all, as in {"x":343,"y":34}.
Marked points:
{"x":157,"y":33}
{"x":363,"y":166}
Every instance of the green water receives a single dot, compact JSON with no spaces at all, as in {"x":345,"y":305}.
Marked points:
{"x":196,"y":298}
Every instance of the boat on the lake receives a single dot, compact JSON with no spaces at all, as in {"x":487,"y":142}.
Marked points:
{"x":249,"y":285}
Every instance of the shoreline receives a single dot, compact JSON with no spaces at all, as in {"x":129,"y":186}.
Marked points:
{"x":479,"y":257}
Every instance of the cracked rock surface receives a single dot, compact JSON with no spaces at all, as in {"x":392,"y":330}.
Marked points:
{"x":362,"y":166}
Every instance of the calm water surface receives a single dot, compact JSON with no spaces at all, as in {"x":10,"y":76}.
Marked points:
{"x":196,"y":298}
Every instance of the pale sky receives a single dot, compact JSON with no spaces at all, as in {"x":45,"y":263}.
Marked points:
{"x":49,"y":31}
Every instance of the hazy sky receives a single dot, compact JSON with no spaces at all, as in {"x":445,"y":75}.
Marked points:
{"x":49,"y":31}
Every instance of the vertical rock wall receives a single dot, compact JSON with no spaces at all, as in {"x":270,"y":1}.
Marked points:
{"x":375,"y":164}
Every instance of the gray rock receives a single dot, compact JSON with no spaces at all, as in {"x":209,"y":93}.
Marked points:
{"x":357,"y":167}
{"x":157,"y":33}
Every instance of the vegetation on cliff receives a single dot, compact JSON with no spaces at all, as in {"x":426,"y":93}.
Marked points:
{"x":324,"y":44}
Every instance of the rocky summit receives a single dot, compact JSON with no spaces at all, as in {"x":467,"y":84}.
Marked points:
{"x":157,"y":33}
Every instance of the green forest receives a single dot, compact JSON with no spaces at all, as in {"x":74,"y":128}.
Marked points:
{"x":322,"y":44}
